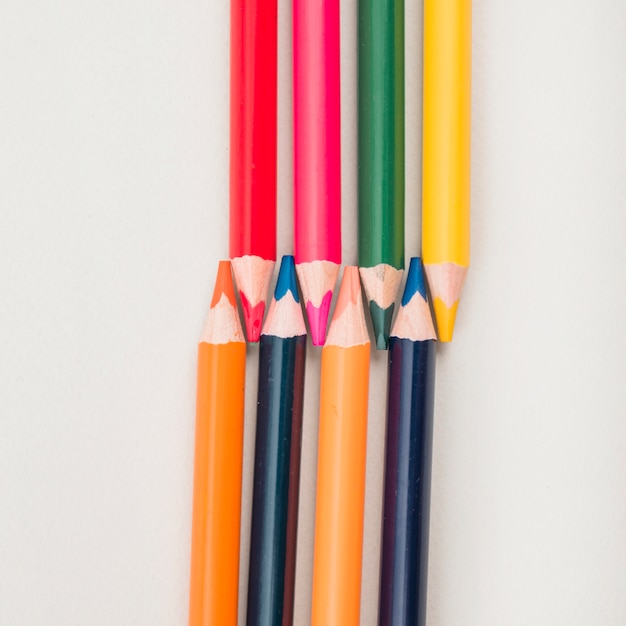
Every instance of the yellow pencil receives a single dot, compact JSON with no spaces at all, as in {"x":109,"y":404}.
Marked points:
{"x":446,"y":154}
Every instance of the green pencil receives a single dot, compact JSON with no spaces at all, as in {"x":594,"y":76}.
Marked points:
{"x":381,"y":157}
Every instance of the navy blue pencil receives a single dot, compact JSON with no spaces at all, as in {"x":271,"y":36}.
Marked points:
{"x":406,"y":505}
{"x":271,"y":579}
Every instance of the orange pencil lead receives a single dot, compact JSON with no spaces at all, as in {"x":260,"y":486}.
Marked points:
{"x":224,"y":284}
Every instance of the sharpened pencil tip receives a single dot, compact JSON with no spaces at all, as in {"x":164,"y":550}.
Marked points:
{"x":222,"y":324}
{"x":348,"y":327}
{"x":445,"y":282}
{"x":284,"y":316}
{"x":415,"y":281}
{"x":414,"y":320}
{"x":224,"y":284}
{"x":381,"y":321}
{"x":252,"y":317}
{"x":445,"y":317}
{"x":350,"y":290}
{"x":381,"y":284}
{"x":318,"y":319}
{"x":253,"y":275}
{"x":317,"y":281}
{"x":287,"y":281}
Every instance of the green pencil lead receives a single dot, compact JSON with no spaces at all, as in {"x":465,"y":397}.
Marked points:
{"x":381,"y":321}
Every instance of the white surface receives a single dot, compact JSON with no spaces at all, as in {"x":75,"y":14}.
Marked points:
{"x":113,"y":214}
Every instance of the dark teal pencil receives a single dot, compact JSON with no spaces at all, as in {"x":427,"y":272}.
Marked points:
{"x":277,"y":457}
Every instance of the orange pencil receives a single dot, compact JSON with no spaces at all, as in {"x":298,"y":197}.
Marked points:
{"x":341,"y":462}
{"x":218,"y":461}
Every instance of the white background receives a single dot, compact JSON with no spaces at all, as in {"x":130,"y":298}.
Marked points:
{"x":113,"y":215}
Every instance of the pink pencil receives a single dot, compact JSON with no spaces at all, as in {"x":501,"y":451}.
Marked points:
{"x":317,"y":156}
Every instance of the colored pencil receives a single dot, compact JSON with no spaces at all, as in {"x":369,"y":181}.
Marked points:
{"x":446,"y":155}
{"x":404,"y":559}
{"x":218,"y":461}
{"x":317,"y":158}
{"x":282,"y":355}
{"x":381,"y":157}
{"x":338,"y":548}
{"x":253,"y":96}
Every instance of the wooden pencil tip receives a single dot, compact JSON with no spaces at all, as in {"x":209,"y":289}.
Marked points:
{"x":415,"y":281}
{"x":252,"y":317}
{"x":381,"y":321}
{"x":445,"y":316}
{"x":222,"y":324}
{"x":348,"y":326}
{"x":446,"y":282}
{"x":317,"y":280}
{"x":381,"y":284}
{"x":284,"y":317}
{"x":287,"y":281}
{"x":318,"y":319}
{"x":224,"y":284}
{"x":414,"y":320}
{"x":253,"y":275}
{"x":350,"y":290}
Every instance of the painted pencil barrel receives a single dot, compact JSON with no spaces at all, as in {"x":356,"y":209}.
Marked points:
{"x":406,"y":503}
{"x":381,"y":132}
{"x":253,"y":97}
{"x":340,"y":486}
{"x":317,"y":158}
{"x":217,"y":484}
{"x":446,"y":132}
{"x":276,"y":481}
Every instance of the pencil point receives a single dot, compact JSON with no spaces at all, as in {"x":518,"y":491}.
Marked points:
{"x":287,"y":281}
{"x":445,"y":317}
{"x":415,"y":281}
{"x":348,"y":327}
{"x":252,"y":317}
{"x":381,"y":321}
{"x":284,"y":317}
{"x":381,"y":283}
{"x":446,"y":282}
{"x":253,"y":275}
{"x":317,"y":280}
{"x":222,"y":324}
{"x":318,"y":318}
{"x":414,"y":320}
{"x":223,"y":284}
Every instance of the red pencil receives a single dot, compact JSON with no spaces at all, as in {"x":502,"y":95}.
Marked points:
{"x":317,"y":156}
{"x":253,"y":154}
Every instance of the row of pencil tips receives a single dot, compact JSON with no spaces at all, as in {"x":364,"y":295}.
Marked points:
{"x":378,"y":116}
{"x":285,"y":318}
{"x":341,"y":451}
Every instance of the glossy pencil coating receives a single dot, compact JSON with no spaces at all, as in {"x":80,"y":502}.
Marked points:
{"x":253,"y":97}
{"x":341,"y":462}
{"x":253,"y":115}
{"x":446,"y":154}
{"x":317,"y":147}
{"x":408,"y":453}
{"x":282,"y":356}
{"x":381,"y":157}
{"x":218,"y":461}
{"x":317,"y":156}
{"x":381,"y":132}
